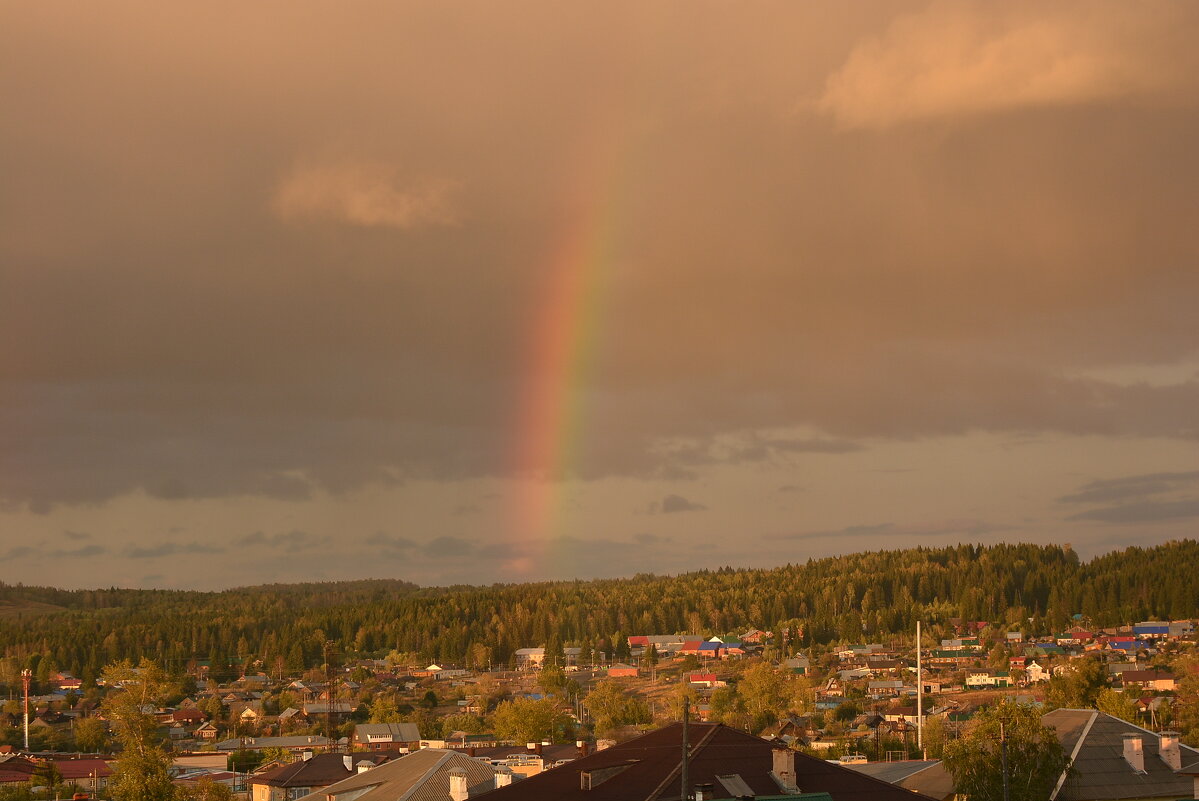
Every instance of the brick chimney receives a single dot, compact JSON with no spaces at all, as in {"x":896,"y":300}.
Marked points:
{"x":1168,"y":750}
{"x":783,"y":769}
{"x":582,"y":747}
{"x":458,"y":788}
{"x":1134,"y":752}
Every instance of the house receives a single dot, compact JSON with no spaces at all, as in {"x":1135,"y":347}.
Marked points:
{"x":622,"y":670}
{"x":298,"y":744}
{"x":1034,"y":672}
{"x":321,"y":709}
{"x":723,"y":763}
{"x":1157,"y":680}
{"x":90,"y":774}
{"x":799,"y":665}
{"x":884,"y":689}
{"x":429,"y":775}
{"x":708,"y":680}
{"x":309,"y":773}
{"x":386,"y":736}
{"x":976,"y":678}
{"x":205,"y":731}
{"x":1152,"y":630}
{"x":1114,"y":759}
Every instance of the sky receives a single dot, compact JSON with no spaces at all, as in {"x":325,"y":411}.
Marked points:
{"x":467,"y":292}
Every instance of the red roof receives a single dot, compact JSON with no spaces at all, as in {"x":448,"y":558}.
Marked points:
{"x":75,"y":769}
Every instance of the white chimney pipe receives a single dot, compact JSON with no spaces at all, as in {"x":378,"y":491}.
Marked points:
{"x":348,"y":761}
{"x":503,"y":778}
{"x":458,"y":789}
{"x":1134,"y":752}
{"x":1167,"y":749}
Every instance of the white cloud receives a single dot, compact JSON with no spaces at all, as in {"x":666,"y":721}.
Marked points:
{"x":366,"y":195}
{"x":952,"y":58}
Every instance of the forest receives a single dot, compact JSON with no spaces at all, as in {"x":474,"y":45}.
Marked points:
{"x":863,"y":596}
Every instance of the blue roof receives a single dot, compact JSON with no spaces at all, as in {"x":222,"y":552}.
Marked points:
{"x":711,"y":646}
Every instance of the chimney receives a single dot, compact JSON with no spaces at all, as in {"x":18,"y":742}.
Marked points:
{"x":458,"y":790}
{"x":348,"y":761}
{"x":581,"y":745}
{"x":703,"y":792}
{"x":783,"y":769}
{"x":306,"y":755}
{"x":1167,"y":749}
{"x":503,"y":777}
{"x":364,"y":766}
{"x":1134,"y":752}
{"x":531,"y":746}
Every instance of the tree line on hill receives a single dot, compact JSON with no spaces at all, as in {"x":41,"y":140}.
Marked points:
{"x":288,"y":628}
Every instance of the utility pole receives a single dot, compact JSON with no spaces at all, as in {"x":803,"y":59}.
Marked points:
{"x":1003,"y":757}
{"x":26,"y":675}
{"x":919,"y":697}
{"x":331,"y":694}
{"x":684,"y":771}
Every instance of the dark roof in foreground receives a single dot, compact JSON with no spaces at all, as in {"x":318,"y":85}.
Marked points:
{"x":1096,"y":743}
{"x":420,"y":776}
{"x":646,"y":768}
{"x":319,"y":770}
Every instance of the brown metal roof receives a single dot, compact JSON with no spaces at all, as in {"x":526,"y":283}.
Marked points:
{"x":647,"y":768}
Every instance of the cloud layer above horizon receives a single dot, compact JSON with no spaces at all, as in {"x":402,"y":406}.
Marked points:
{"x":280,"y":258}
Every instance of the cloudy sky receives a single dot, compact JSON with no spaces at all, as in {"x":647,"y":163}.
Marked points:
{"x":478,"y":291}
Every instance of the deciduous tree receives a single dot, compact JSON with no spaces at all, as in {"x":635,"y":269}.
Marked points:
{"x":1035,"y":759}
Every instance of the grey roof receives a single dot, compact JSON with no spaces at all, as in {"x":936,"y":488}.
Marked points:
{"x":927,"y":776}
{"x":257,"y":743}
{"x":398,"y":732}
{"x":420,"y":776}
{"x":1095,"y":741}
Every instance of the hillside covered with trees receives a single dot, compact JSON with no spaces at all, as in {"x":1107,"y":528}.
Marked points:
{"x":860,"y":596}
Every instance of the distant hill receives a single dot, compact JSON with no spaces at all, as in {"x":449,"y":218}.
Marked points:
{"x":872,"y":595}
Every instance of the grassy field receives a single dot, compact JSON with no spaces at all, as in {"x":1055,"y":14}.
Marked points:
{"x":10,"y":609}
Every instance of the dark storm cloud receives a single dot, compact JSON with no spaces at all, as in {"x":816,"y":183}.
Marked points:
{"x":895,"y":535}
{"x":294,"y":540}
{"x":446,"y":547}
{"x":1139,"y":498}
{"x":675,"y":503}
{"x":390,"y":542}
{"x":169,"y":549}
{"x":1142,"y":512}
{"x":312,"y":262}
{"x":1119,"y":489}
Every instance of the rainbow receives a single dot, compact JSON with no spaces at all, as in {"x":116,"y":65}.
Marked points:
{"x":561,"y":346}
